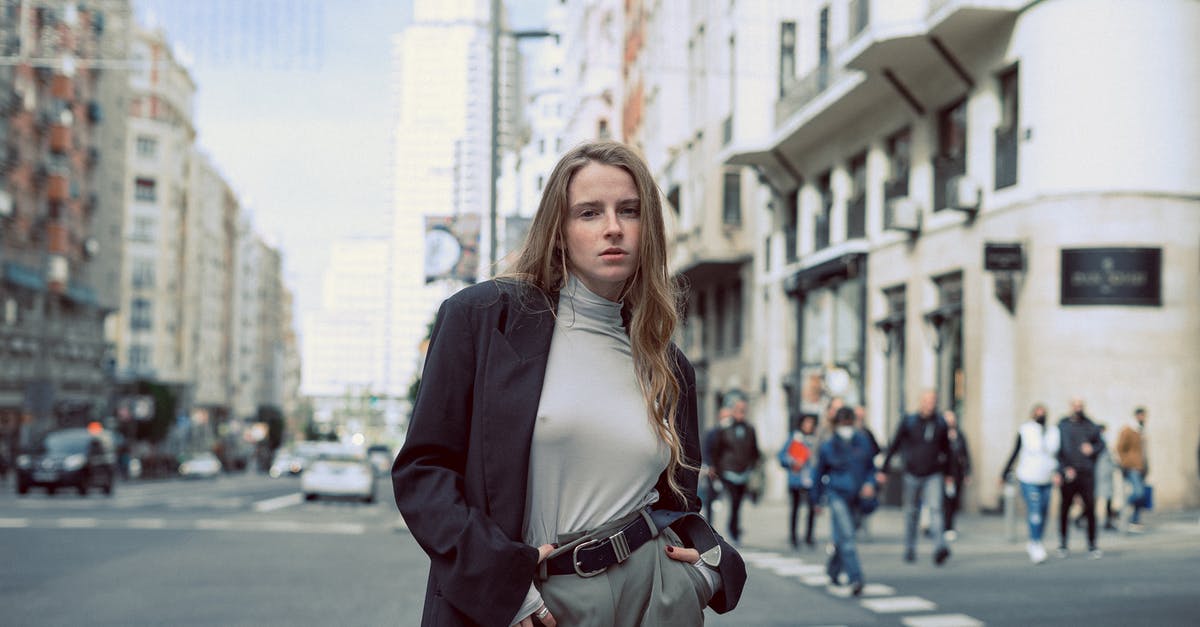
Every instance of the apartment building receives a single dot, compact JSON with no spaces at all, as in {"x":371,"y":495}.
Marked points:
{"x":60,"y":218}
{"x":152,"y":342}
{"x":995,"y":200}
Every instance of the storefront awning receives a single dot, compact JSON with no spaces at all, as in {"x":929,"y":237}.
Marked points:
{"x":844,"y":266}
{"x":703,"y":271}
{"x":23,"y":276}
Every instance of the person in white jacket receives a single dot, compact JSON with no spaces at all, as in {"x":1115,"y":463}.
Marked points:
{"x":1037,"y":469}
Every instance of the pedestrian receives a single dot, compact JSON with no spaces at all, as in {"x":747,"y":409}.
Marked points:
{"x":1036,"y":456}
{"x":1104,"y":485}
{"x":554,"y":434}
{"x":736,"y":454}
{"x":923,"y":439}
{"x":1080,"y":445}
{"x":1131,"y":455}
{"x":959,"y":477}
{"x":844,"y":478}
{"x":797,"y":457}
{"x":860,"y":423}
{"x":710,"y":483}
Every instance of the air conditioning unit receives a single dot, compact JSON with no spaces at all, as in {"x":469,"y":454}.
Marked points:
{"x":902,"y":214}
{"x":963,"y":194}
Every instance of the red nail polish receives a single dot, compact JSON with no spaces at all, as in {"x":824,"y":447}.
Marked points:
{"x":670,"y":549}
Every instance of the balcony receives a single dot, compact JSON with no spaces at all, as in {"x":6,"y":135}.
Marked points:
{"x":805,"y":90}
{"x":821,"y":230}
{"x":960,"y":19}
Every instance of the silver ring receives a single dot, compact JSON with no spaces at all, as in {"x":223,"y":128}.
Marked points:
{"x":542,"y":613}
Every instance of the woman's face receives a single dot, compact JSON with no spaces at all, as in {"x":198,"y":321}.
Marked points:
{"x":602,"y":229}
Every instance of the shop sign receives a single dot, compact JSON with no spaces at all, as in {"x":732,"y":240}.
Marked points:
{"x":1112,"y":276}
{"x":1003,"y":257}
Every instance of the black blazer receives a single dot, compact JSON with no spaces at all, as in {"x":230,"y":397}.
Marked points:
{"x":460,"y":478}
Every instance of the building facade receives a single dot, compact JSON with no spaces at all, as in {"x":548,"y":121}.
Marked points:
{"x":61,"y":109}
{"x":978,"y":211}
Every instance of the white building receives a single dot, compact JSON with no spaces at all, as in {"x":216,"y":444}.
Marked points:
{"x":345,"y":342}
{"x":212,"y":242}
{"x":591,"y":69}
{"x":443,"y":145}
{"x":151,"y":338}
{"x":909,"y":140}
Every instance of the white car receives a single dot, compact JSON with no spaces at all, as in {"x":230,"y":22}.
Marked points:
{"x":340,"y":476}
{"x":202,"y":465}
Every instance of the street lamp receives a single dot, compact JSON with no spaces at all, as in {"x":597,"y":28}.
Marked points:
{"x":495,"y":132}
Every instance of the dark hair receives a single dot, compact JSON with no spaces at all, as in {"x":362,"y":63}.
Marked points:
{"x":844,"y":415}
{"x":1139,"y":410}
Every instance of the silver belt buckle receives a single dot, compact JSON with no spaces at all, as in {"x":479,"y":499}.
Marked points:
{"x":575,"y":559}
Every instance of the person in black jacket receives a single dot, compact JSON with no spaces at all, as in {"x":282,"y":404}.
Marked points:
{"x":735,"y":454}
{"x":961,"y":475}
{"x":924,"y":441}
{"x":1081,"y":445}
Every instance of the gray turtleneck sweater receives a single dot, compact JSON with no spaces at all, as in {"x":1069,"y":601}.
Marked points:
{"x":595,"y":456}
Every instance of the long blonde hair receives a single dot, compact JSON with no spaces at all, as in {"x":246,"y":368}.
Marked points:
{"x":650,"y":296}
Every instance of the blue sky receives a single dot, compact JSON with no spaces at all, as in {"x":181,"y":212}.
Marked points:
{"x":294,"y":105}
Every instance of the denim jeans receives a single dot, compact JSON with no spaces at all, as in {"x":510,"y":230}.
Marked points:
{"x":925,"y":491}
{"x":1037,"y":504}
{"x":845,"y":555}
{"x":1137,"y":484}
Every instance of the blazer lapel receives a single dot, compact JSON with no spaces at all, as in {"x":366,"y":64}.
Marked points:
{"x":513,"y":376}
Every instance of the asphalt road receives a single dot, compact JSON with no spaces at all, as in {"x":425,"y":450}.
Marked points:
{"x":247,"y":550}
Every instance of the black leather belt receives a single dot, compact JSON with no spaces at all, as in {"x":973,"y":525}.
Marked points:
{"x":593,"y":556}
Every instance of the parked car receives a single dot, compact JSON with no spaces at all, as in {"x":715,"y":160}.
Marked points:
{"x":203,"y":465}
{"x":339,"y":475}
{"x":76,"y":458}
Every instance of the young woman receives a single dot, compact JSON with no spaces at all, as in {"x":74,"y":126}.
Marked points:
{"x":1036,"y":456}
{"x":797,"y":456}
{"x":550,"y":466}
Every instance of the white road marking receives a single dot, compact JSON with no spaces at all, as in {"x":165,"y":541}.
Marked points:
{"x":894,"y":605}
{"x":815,"y":580}
{"x":797,"y":570}
{"x":279,"y":502}
{"x":146,"y":523}
{"x":13,"y":523}
{"x":210,"y":524}
{"x":941,"y":620}
{"x":77,"y":523}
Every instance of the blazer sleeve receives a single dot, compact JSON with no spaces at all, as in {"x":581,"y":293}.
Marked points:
{"x":732,"y":569}
{"x":478,"y":569}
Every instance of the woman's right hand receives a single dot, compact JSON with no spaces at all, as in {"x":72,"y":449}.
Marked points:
{"x":548,"y":618}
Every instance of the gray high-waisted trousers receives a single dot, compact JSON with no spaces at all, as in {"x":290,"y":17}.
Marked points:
{"x":649,"y":589}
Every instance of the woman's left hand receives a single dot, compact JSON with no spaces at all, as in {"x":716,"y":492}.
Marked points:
{"x":683,"y":554}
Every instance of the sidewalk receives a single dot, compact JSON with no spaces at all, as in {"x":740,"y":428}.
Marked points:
{"x":765,"y":527}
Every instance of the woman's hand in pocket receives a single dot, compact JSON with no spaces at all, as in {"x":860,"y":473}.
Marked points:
{"x":538,"y":617}
{"x":683,"y":554}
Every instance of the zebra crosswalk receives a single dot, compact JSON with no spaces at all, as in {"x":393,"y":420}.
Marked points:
{"x":913,"y":611}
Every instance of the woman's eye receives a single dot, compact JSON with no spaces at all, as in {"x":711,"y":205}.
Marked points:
{"x":631,"y":212}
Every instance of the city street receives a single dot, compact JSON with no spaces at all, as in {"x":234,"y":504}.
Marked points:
{"x":247,"y":550}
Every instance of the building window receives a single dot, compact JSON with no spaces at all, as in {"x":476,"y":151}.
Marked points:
{"x":143,"y":229}
{"x":140,"y":315}
{"x":602,"y":128}
{"x":732,"y":208}
{"x":1006,"y":132}
{"x":856,"y":207}
{"x":951,"y":157}
{"x":791,"y":224}
{"x":143,"y":273}
{"x":893,"y":327}
{"x":824,"y":210}
{"x":139,"y":357}
{"x":787,"y":56}
{"x":899,"y":148}
{"x":735,"y":318}
{"x":144,"y":189}
{"x":147,"y":147}
{"x":823,"y":49}
{"x":947,"y":323}
{"x":541,"y":182}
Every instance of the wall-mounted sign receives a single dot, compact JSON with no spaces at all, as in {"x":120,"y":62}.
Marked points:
{"x":1003,"y":257}
{"x":1112,"y":276}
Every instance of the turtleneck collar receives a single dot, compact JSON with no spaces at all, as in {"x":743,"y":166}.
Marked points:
{"x":588,"y":305}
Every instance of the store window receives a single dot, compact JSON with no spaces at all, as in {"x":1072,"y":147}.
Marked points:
{"x":951,"y":157}
{"x":947,"y":323}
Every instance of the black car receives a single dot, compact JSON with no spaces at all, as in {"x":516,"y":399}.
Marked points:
{"x":74,"y":458}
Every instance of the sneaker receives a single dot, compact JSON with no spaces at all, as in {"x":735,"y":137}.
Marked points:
{"x":1095,"y":553}
{"x":1062,"y":552}
{"x":950,"y":535}
{"x":1038,"y":555}
{"x":856,"y":588}
{"x":940,"y":556}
